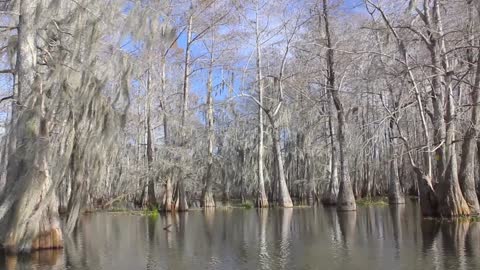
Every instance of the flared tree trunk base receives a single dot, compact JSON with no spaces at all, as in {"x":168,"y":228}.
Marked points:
{"x":396,"y":198}
{"x":471,"y":198}
{"x":167,"y":201}
{"x":346,"y":199}
{"x":262,"y":201}
{"x":428,"y":198}
{"x":453,"y":204}
{"x":208,"y":201}
{"x":46,"y":233}
{"x":312,"y":198}
{"x":226,"y":200}
{"x":181,"y":203}
{"x":167,"y":205}
{"x":285,"y":201}
{"x":152,"y":200}
{"x":329,"y":198}
{"x":51,"y":239}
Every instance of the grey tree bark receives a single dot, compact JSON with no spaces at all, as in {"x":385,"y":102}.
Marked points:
{"x":262,"y":200}
{"x":29,"y":217}
{"x":207,"y":197}
{"x":182,"y":204}
{"x":467,"y":164}
{"x":345,"y":199}
{"x":331,"y":193}
{"x":151,"y":200}
{"x":453,"y":202}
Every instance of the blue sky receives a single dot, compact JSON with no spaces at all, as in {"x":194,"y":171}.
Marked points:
{"x":198,"y":81}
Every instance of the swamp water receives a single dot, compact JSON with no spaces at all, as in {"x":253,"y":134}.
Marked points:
{"x":389,"y":237}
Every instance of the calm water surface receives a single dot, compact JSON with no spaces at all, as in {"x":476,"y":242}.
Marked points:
{"x":302,"y":238}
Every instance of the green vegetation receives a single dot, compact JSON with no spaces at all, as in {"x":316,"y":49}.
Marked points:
{"x":375,"y":201}
{"x":247,"y":205}
{"x":151,"y":214}
{"x":469,"y":219}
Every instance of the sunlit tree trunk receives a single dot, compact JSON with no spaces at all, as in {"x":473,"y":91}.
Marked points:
{"x":453,"y":203}
{"x":467,"y":164}
{"x":331,"y":193}
{"x":182,"y":204}
{"x":395,"y":193}
{"x":207,"y":197}
{"x":167,"y":201}
{"x":262,"y":200}
{"x":345,"y":199}
{"x":29,"y":212}
{"x":284,"y":199}
{"x":152,"y":201}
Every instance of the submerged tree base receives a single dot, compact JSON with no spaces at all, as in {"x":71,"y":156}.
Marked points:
{"x":396,"y":199}
{"x":329,"y":199}
{"x":285,"y":202}
{"x":262,"y":201}
{"x":208,"y":201}
{"x":453,"y":204}
{"x":51,"y":239}
{"x":346,"y":199}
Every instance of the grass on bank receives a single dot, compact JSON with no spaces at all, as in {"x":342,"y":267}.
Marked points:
{"x":151,"y":213}
{"x":247,"y":205}
{"x":469,"y":218}
{"x":373,"y":201}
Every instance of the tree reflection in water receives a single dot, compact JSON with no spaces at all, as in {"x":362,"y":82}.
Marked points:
{"x":391,"y":237}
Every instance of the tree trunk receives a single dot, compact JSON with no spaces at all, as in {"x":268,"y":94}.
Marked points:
{"x":284,"y":199}
{"x":151,"y":201}
{"x":262,"y":200}
{"x":330,"y":195}
{"x":453,"y":203}
{"x":182,"y":204}
{"x":467,"y":165}
{"x":226,"y":187}
{"x":207,"y":198}
{"x":395,"y":193}
{"x":167,"y":201}
{"x":29,"y":217}
{"x":312,"y":187}
{"x":32,"y":221}
{"x":346,"y":199}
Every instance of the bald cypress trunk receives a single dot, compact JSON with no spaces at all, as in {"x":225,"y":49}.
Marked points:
{"x":395,"y":193}
{"x":331,"y":193}
{"x":284,"y":199}
{"x":467,"y":165}
{"x":346,"y":199}
{"x":167,"y":203}
{"x":262,"y":200}
{"x":29,"y":213}
{"x":207,"y":196}
{"x":181,"y":203}
{"x":453,"y":202}
{"x":151,"y":199}
{"x":32,"y":221}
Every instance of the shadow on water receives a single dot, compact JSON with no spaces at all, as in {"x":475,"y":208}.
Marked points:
{"x":393,"y":237}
